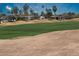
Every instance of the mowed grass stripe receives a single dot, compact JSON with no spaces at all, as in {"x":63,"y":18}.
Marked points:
{"x":35,"y":29}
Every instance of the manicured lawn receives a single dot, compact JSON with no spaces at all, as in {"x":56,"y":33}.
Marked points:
{"x":35,"y":29}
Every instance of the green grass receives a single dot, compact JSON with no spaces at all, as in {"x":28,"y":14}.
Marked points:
{"x":35,"y":29}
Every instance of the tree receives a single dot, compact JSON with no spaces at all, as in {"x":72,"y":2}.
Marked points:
{"x":2,"y":14}
{"x":20,"y":12}
{"x":25,"y":9}
{"x":34,"y":14}
{"x":69,"y":15}
{"x":11,"y":11}
{"x":31,"y":12}
{"x":42,"y":13}
{"x":15,"y":10}
{"x":42,"y":6}
{"x":48,"y":13}
{"x":54,"y":10}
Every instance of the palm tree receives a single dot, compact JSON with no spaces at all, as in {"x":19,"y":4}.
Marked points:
{"x":25,"y":8}
{"x":42,"y":6}
{"x":31,"y":12}
{"x":54,"y":10}
{"x":48,"y":13}
{"x":11,"y":11}
{"x":42,"y":13}
{"x":15,"y":10}
{"x":20,"y":12}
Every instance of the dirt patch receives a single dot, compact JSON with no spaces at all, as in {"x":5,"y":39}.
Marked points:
{"x":53,"y":43}
{"x":26,"y":22}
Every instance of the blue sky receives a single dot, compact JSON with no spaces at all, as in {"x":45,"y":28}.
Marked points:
{"x":62,"y":7}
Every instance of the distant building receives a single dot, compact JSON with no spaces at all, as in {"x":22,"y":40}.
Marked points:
{"x":58,"y":17}
{"x":42,"y":17}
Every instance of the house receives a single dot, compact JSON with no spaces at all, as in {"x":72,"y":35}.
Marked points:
{"x":42,"y":17}
{"x":58,"y":17}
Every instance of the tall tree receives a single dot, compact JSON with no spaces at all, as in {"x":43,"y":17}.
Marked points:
{"x":25,"y":9}
{"x":42,"y":6}
{"x":31,"y":12}
{"x":54,"y":10}
{"x":11,"y":11}
{"x":15,"y":10}
{"x":48,"y":13}
{"x":42,"y":13}
{"x":20,"y":12}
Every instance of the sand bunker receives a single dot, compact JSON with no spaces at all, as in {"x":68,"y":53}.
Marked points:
{"x":53,"y":43}
{"x":25,"y":22}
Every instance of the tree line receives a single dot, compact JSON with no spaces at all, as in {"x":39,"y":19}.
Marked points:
{"x":47,"y":12}
{"x":26,"y":9}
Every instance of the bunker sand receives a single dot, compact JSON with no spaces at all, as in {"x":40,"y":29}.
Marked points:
{"x":47,"y":44}
{"x":26,"y":22}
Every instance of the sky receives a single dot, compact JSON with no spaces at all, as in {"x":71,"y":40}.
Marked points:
{"x":62,"y":7}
